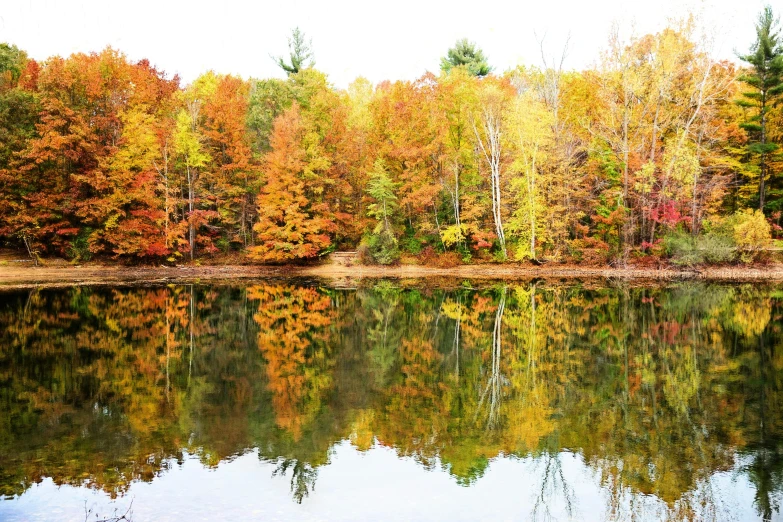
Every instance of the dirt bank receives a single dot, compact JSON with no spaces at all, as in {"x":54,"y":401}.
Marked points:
{"x":26,"y":276}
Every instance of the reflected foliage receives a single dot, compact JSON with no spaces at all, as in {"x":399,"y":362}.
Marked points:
{"x":658,"y":390}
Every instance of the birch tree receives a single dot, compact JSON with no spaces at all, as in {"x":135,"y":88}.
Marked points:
{"x":530,"y":129}
{"x":489,"y":129}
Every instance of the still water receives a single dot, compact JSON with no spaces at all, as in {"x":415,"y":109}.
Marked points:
{"x":291,"y":400}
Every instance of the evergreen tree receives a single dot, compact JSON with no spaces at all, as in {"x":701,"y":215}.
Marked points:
{"x":466,"y":54}
{"x":766,"y":79}
{"x":382,"y":242}
{"x":300,"y":54}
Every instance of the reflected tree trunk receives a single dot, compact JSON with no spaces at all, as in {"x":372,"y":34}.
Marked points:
{"x":492,"y":392}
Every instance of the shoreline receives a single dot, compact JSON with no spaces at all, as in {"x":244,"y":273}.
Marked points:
{"x":64,"y":276}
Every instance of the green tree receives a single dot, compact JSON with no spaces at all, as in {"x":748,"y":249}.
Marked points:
{"x":12,"y":64}
{"x":766,"y":81}
{"x":383,"y":244}
{"x":299,"y":51}
{"x":466,"y":54}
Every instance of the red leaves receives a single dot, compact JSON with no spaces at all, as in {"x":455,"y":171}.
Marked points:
{"x":668,"y":214}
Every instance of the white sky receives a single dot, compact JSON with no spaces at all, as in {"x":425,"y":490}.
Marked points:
{"x":393,"y":39}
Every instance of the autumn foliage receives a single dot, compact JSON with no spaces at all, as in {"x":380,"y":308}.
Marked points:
{"x":102,"y":156}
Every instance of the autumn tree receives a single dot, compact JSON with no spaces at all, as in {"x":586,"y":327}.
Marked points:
{"x":489,"y":129}
{"x":290,"y":227}
{"x":234,"y":172}
{"x":530,"y":126}
{"x":405,"y":136}
{"x":19,"y":111}
{"x":458,"y":174}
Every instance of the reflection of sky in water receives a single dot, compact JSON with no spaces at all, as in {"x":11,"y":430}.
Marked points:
{"x":375,"y":485}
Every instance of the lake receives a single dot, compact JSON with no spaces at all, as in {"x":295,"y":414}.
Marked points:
{"x":294,"y":400}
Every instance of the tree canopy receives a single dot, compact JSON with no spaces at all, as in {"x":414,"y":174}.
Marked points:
{"x":466,"y":54}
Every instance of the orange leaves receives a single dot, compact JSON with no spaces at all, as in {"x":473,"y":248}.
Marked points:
{"x":293,"y":333}
{"x":89,"y":170}
{"x":290,"y":225}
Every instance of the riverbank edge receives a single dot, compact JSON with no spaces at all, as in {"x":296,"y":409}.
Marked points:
{"x":20,"y":277}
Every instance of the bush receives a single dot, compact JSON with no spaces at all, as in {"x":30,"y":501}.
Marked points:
{"x":447,"y":260}
{"x":383,"y":247}
{"x":79,"y":248}
{"x":223,"y":244}
{"x":412,"y":244}
{"x":681,"y":247}
{"x":427,"y":255}
{"x":752,"y":234}
{"x":716,"y":248}
{"x":589,"y":251}
{"x":364,"y":255}
{"x":431,"y":257}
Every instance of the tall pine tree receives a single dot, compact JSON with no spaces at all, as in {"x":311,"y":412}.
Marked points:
{"x":766,"y":79}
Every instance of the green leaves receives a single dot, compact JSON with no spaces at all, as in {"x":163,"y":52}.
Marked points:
{"x":466,"y":54}
{"x":300,"y":53}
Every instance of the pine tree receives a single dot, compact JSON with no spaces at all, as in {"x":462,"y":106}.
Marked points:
{"x":300,"y":54}
{"x":466,"y":54}
{"x":766,"y":79}
{"x":383,"y":243}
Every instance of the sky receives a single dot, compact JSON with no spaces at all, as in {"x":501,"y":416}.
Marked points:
{"x":379,"y":485}
{"x":398,"y":39}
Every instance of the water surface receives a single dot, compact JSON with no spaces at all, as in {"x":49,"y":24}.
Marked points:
{"x":290,"y":400}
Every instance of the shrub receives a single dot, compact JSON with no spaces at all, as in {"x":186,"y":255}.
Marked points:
{"x":383,"y":247}
{"x":427,"y":255}
{"x":447,"y":260}
{"x":453,"y":235}
{"x":681,"y":247}
{"x":431,"y":257}
{"x":79,"y":248}
{"x":752,"y":234}
{"x":716,"y":248}
{"x":364,"y":255}
{"x":223,"y":244}
{"x":411,"y":244}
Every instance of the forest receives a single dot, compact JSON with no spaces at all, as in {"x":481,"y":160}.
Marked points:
{"x":660,"y":153}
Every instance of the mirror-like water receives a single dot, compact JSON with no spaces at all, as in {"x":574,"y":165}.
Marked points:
{"x":293,"y":401}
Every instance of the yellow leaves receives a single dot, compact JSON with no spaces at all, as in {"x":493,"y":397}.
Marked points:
{"x":751,"y":230}
{"x":645,"y":178}
{"x":452,"y":309}
{"x":682,"y":160}
{"x":362,"y":435}
{"x":750,"y":316}
{"x":360,"y":93}
{"x":530,"y":423}
{"x":453,"y":235}
{"x":111,"y":222}
{"x":187,"y":140}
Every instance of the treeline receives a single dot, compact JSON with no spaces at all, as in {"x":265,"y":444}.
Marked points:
{"x":660,"y":150}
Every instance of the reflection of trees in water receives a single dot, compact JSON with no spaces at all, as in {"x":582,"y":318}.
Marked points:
{"x":492,"y":393}
{"x":553,"y":484}
{"x":656,"y":389}
{"x":303,"y":477}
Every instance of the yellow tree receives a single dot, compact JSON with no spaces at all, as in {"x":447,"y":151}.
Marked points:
{"x":530,"y":131}
{"x":189,"y":146}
